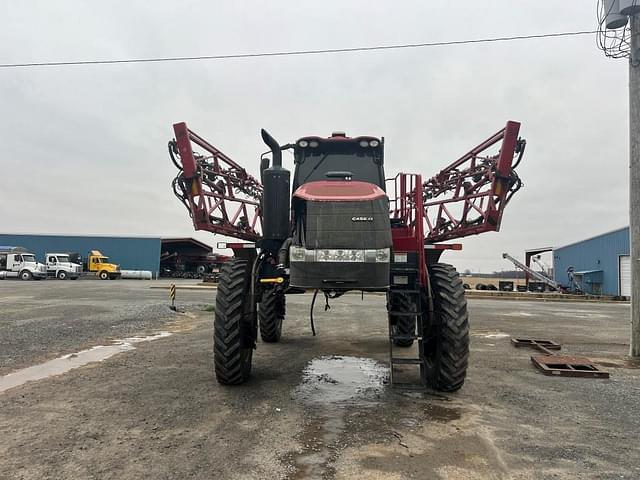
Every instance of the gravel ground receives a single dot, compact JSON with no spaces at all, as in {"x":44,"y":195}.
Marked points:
{"x":42,"y":320}
{"x":315,"y":407}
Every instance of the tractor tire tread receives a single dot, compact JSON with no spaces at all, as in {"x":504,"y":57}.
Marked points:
{"x":270,"y":315}
{"x":452,"y":356}
{"x":231,"y":366}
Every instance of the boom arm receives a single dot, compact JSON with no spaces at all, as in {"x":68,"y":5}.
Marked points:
{"x":465,"y":198}
{"x":468,"y":197}
{"x":219,"y":194}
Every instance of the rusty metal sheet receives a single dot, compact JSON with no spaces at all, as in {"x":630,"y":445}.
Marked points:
{"x":568,"y":366}
{"x":535,"y":343}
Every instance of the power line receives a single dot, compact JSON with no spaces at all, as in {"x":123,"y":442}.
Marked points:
{"x":292,"y":52}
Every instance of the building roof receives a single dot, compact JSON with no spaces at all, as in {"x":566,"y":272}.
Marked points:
{"x":188,"y":240}
{"x":91,"y":235}
{"x":592,"y":238}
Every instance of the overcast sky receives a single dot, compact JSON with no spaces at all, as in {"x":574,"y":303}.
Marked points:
{"x":84,"y":148}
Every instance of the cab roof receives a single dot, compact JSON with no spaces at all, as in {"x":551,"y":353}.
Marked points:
{"x":339,"y":137}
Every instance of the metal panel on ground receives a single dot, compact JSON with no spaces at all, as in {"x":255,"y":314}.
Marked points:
{"x":625,"y":275}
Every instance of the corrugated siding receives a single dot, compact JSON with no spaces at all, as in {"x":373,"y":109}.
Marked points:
{"x":130,"y":253}
{"x":599,"y":253}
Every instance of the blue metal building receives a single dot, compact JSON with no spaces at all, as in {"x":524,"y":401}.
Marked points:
{"x":131,"y":253}
{"x":599,"y":265}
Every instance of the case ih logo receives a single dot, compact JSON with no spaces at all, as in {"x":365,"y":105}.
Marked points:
{"x":362,"y":219}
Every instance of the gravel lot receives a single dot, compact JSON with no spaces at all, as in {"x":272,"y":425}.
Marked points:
{"x":315,"y":407}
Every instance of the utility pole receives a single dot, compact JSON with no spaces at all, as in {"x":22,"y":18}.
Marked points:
{"x":634,"y":181}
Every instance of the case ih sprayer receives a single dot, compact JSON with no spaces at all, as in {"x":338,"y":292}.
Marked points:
{"x":345,"y":227}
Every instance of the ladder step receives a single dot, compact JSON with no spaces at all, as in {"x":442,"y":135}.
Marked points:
{"x":397,"y":313}
{"x":408,"y":386}
{"x":405,"y":361}
{"x":405,"y":337}
{"x":406,"y":291}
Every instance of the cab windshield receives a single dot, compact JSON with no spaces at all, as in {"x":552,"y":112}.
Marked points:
{"x":336,"y":165}
{"x":63,"y":258}
{"x":28,"y":258}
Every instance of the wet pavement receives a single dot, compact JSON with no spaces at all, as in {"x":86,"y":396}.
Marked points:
{"x":144,"y":404}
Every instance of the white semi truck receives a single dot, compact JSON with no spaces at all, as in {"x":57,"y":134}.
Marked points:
{"x":17,"y":262}
{"x":59,"y":266}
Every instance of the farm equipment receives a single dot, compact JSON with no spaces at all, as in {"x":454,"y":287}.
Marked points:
{"x":542,"y":277}
{"x":340,"y":225}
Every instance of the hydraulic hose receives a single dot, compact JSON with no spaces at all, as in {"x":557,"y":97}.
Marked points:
{"x":283,"y":252}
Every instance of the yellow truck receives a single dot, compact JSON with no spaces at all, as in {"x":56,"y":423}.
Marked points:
{"x":99,"y":265}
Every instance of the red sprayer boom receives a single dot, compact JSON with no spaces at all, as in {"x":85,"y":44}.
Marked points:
{"x":465,"y":198}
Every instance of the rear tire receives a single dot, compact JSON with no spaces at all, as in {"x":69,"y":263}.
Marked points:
{"x":232,"y":337}
{"x":446,"y":341}
{"x":404,"y":325}
{"x":271,"y":312}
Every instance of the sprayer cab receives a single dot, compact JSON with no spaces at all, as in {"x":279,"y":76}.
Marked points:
{"x":339,"y":157}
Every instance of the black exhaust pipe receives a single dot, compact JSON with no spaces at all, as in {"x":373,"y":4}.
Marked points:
{"x":276,"y":197}
{"x":274,"y":146}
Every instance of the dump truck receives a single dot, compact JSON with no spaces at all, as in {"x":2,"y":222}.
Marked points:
{"x":18,"y":262}
{"x":337,"y":225}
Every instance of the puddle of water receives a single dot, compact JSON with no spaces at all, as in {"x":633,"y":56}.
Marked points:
{"x":329,"y":385}
{"x":517,"y":314}
{"x":63,"y":364}
{"x":321,"y":445}
{"x":337,"y":380}
{"x":491,"y":334}
{"x":497,"y":335}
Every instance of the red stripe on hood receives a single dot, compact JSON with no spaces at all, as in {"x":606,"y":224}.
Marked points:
{"x":338,"y":190}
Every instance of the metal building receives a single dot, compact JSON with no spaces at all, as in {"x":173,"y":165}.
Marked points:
{"x":599,"y":265}
{"x":131,"y":253}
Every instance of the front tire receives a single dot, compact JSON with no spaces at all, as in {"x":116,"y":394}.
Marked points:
{"x":270,"y":314}
{"x":62,"y":275}
{"x":446,"y":340}
{"x":103,"y":275}
{"x":232,"y":332}
{"x":26,"y":275}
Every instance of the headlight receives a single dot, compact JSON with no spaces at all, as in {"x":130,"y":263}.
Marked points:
{"x":382,"y":255}
{"x":313,"y":144}
{"x":364,"y":143}
{"x":300,"y":254}
{"x":296,"y":254}
{"x":374,"y":143}
{"x":303,"y":143}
